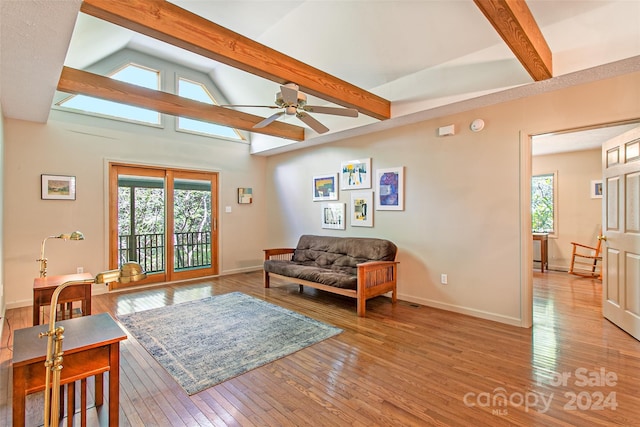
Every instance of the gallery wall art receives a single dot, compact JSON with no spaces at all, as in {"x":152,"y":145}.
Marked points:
{"x":390,"y":189}
{"x":355,"y":174}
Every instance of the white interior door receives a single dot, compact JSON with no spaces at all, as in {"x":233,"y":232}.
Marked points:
{"x":621,"y":229}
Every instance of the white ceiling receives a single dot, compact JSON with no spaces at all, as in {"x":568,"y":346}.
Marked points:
{"x":587,"y":139}
{"x":418,"y":54}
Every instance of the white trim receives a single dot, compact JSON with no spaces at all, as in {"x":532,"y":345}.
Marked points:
{"x":463,"y":310}
{"x":526,"y":247}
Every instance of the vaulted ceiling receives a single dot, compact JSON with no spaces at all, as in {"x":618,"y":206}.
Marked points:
{"x":388,"y":59}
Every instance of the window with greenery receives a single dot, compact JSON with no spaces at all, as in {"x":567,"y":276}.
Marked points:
{"x":131,"y":73}
{"x":163,"y":219}
{"x":543,"y":203}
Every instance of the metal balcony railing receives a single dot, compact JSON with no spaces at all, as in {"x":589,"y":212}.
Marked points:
{"x":191,"y":250}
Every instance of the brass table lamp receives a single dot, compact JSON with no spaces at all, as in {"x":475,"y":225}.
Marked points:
{"x":76,"y":235}
{"x":129,"y":272}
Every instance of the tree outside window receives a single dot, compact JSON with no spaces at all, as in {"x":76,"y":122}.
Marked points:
{"x":543,"y":207}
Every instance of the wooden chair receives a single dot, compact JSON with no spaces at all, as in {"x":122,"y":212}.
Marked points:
{"x":584,"y":260}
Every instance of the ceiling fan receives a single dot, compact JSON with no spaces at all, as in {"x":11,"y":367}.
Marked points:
{"x":293,"y":102}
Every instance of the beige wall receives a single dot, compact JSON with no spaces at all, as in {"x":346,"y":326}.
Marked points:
{"x":467,"y":213}
{"x":465,"y":208}
{"x":579,"y":216}
{"x":65,"y":148}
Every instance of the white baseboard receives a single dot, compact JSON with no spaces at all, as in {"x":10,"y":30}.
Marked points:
{"x":241,"y":270}
{"x":514,"y":321}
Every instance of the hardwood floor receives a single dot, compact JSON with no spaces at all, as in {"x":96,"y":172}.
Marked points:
{"x":402,"y":365}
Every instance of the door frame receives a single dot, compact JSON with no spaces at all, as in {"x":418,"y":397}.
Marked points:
{"x":526,"y":248}
{"x":112,"y":252}
{"x":192,"y":174}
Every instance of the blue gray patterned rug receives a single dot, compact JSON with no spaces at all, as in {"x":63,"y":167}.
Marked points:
{"x":205,"y":342}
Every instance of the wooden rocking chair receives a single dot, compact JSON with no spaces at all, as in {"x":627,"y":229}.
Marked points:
{"x":585,"y":259}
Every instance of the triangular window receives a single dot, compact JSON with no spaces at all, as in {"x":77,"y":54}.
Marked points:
{"x":198,"y":92}
{"x":131,"y":73}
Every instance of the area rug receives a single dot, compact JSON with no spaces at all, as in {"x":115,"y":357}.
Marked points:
{"x":205,"y":342}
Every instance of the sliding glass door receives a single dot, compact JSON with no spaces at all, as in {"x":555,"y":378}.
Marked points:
{"x":164,"y":219}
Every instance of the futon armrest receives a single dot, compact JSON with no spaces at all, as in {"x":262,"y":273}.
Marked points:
{"x":374,"y":273}
{"x":278,"y":253}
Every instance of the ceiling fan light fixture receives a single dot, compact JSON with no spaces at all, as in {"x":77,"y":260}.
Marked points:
{"x":294,"y":103}
{"x":291,"y":110}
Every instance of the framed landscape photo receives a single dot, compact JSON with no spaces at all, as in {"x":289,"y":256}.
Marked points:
{"x":58,"y":187}
{"x":325,"y":187}
{"x":390,"y":189}
{"x":355,"y":174}
{"x":333,"y":216}
{"x":362,"y":209}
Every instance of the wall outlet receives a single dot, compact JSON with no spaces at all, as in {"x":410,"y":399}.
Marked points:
{"x":80,"y":270}
{"x":444,"y":279}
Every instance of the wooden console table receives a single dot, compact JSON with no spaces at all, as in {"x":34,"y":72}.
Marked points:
{"x":43,"y":288}
{"x":91,"y":346}
{"x":544,"y":249}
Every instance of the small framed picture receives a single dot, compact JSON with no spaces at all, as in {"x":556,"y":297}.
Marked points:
{"x":355,"y":174}
{"x":245,"y":195}
{"x":58,"y":187}
{"x":390,"y":189}
{"x":333,"y":216}
{"x":325,"y":187}
{"x":596,"y":189}
{"x":362,"y":209}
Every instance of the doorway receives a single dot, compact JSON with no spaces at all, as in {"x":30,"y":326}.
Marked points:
{"x":165,"y":219}
{"x":567,"y":141}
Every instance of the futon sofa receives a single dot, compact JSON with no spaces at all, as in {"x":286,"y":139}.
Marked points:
{"x":357,"y":267}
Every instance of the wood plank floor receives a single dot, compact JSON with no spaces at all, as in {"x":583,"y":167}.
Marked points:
{"x":402,"y":365}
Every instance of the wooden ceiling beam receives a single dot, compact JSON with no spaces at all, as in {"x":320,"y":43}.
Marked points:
{"x":82,"y":82}
{"x":513,"y":20}
{"x":171,"y":24}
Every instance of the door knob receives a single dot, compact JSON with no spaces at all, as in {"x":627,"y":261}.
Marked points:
{"x":603,"y":238}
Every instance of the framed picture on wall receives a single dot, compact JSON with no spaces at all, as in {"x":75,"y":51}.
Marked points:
{"x":362,"y":209}
{"x":333,"y":216}
{"x":58,"y":187}
{"x":355,"y":174}
{"x":325,"y":187}
{"x":390,"y":189}
{"x":596,"y":189}
{"x":245,"y":195}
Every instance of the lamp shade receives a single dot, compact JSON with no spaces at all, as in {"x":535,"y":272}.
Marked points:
{"x":128,"y":272}
{"x":131,"y":272}
{"x":76,"y":235}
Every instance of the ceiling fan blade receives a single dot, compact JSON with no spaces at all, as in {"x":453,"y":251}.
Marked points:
{"x":248,"y":106}
{"x":268,"y":120}
{"x":312,"y":123}
{"x":347,"y":112}
{"x":289,"y":95}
